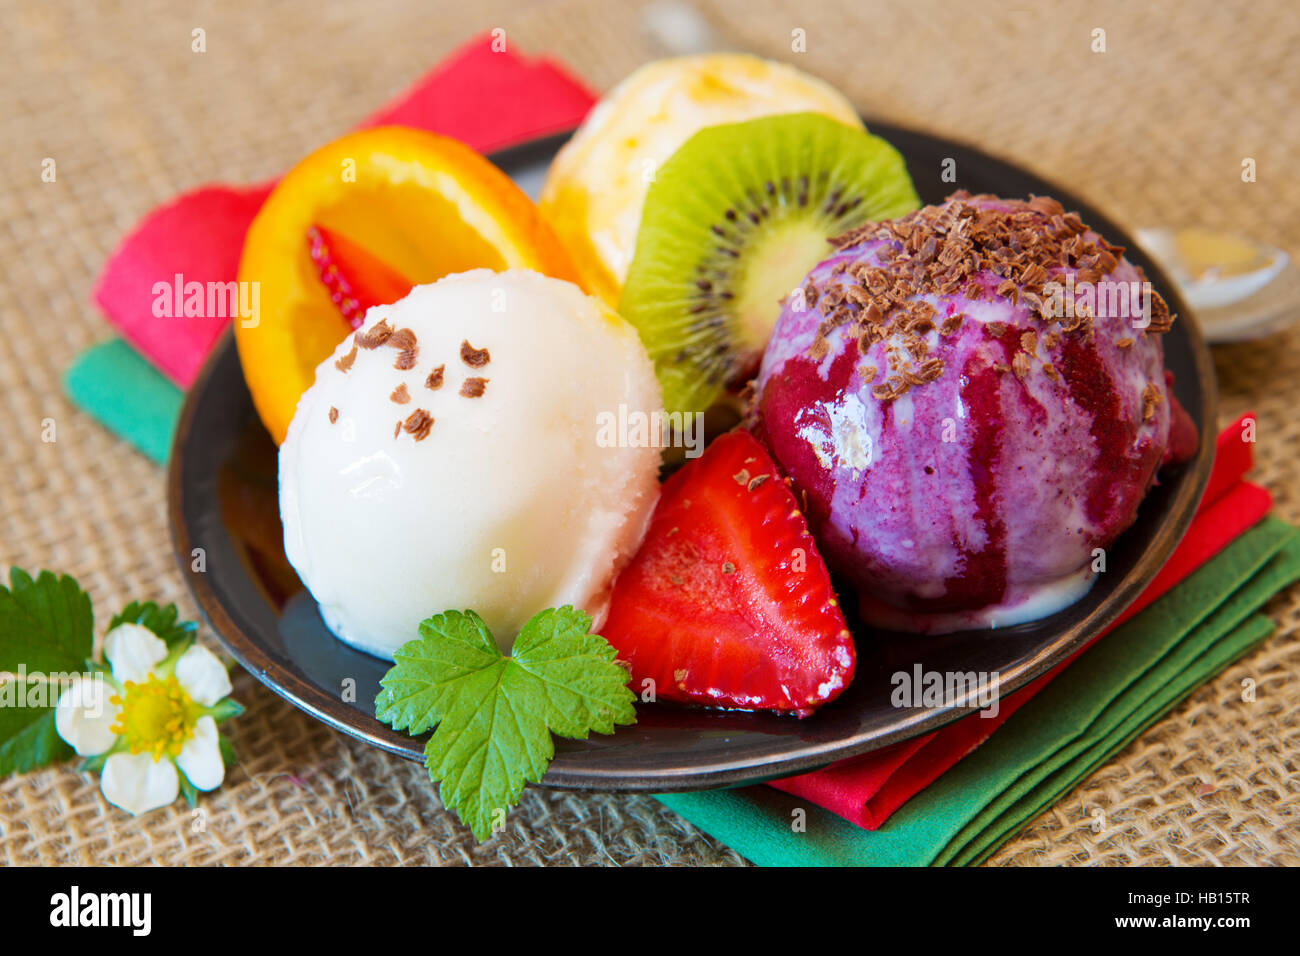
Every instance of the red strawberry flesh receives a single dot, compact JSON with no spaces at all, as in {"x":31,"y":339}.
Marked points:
{"x":728,"y":602}
{"x":354,"y":278}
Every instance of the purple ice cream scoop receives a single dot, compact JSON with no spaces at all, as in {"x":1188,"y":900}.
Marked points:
{"x":972,"y":401}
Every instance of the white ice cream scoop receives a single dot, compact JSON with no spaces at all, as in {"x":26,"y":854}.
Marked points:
{"x":448,"y":457}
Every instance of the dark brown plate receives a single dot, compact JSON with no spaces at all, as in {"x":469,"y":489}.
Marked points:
{"x":222,"y":489}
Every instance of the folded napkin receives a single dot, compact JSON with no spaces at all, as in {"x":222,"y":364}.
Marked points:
{"x":1052,"y":740}
{"x":866,"y":790}
{"x":487,"y":98}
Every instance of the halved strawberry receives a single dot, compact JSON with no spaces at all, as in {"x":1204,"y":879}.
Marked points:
{"x":354,"y":277}
{"x":728,"y":602}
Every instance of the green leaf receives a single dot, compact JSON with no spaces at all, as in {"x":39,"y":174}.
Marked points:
{"x":188,"y":790}
{"x":163,"y":621}
{"x":224,"y":709}
{"x":228,"y":756}
{"x":28,"y":738}
{"x":494,"y":715}
{"x":96,"y":763}
{"x":46,"y":624}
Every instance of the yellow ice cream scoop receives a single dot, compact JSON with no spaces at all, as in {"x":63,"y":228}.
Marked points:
{"x":597,"y":185}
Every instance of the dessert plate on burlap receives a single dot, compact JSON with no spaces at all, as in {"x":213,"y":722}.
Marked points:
{"x":223,"y":500}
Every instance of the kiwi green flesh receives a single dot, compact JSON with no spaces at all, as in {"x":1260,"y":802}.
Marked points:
{"x":732,"y":223}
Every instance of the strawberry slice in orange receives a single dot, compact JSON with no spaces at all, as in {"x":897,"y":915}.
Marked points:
{"x":354,"y":278}
{"x":356,"y":224}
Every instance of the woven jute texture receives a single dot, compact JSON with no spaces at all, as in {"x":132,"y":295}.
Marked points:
{"x":1154,"y":130}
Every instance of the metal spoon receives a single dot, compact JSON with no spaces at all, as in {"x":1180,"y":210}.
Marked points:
{"x":1240,"y":288}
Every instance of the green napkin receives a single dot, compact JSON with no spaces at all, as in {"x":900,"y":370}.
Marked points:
{"x":112,"y":383}
{"x":1113,"y":692}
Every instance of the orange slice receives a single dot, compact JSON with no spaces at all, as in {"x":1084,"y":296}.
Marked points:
{"x":405,"y":207}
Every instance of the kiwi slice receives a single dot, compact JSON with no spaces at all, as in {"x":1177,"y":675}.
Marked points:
{"x":733,"y":222}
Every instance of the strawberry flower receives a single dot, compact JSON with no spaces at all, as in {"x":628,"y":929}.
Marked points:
{"x":149,"y":718}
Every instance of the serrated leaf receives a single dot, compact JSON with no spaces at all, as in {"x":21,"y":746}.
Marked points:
{"x":163,"y":621}
{"x":557,"y":649}
{"x":28,"y":738}
{"x":46,"y":624}
{"x":416,"y":689}
{"x":494,"y":715}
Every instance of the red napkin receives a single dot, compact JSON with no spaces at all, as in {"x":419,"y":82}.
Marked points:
{"x":484,"y":98}
{"x":866,"y":790}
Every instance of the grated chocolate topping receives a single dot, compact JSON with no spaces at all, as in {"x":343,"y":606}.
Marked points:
{"x":963,"y":247}
{"x":1150,"y":399}
{"x":403,"y":340}
{"x":473,"y":387}
{"x":474,"y":358}
{"x":346,"y":361}
{"x":377,"y":336}
{"x":418,"y":423}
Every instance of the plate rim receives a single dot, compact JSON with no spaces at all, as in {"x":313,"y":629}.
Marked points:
{"x":311,"y":698}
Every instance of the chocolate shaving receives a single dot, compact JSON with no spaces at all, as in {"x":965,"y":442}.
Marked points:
{"x":400,"y":395}
{"x":473,"y":387}
{"x":1161,"y":319}
{"x":418,"y":424}
{"x":376,"y":337}
{"x":1150,"y":399}
{"x":1020,"y":365}
{"x":970,"y":244}
{"x":403,"y":340}
{"x":434,"y":381}
{"x":474,"y":358}
{"x":334,"y":414}
{"x":405,"y":360}
{"x":345,"y":363}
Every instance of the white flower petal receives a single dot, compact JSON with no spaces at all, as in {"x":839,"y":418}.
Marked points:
{"x":200,"y":757}
{"x":137,"y":783}
{"x":133,"y":651}
{"x":203,"y":676}
{"x":83,"y":715}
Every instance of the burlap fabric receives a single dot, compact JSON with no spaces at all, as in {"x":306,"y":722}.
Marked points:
{"x":1154,"y":130}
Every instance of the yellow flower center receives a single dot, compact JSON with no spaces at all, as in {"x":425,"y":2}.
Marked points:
{"x":156,"y":716}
